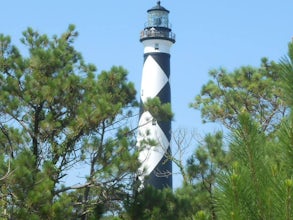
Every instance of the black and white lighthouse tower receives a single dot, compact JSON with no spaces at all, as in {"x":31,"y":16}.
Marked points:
{"x":157,"y":38}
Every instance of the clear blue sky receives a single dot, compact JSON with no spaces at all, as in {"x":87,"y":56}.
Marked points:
{"x":210,"y":34}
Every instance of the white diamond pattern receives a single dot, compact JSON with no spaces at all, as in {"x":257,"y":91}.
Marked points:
{"x":153,"y":79}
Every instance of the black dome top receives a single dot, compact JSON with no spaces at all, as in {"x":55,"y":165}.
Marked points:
{"x":158,"y":7}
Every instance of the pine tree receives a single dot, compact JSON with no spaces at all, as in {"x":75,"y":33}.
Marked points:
{"x":56,"y":114}
{"x":256,"y":90}
{"x":259,"y":183}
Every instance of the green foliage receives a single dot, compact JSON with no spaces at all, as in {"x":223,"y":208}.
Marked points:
{"x":249,"y":179}
{"x":247,"y":89}
{"x":28,"y":194}
{"x":252,"y":181}
{"x":286,"y":64}
{"x":155,"y":204}
{"x":55,"y":113}
{"x":161,"y":112}
{"x":207,"y":156}
{"x":197,"y":198}
{"x":202,"y":168}
{"x":285,"y":135}
{"x":257,"y":185}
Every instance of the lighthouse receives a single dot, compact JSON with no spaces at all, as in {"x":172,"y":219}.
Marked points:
{"x":157,"y":39}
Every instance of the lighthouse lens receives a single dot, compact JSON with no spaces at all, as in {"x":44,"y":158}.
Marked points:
{"x":158,"y":19}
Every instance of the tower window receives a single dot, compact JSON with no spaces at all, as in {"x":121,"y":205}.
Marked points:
{"x":156,"y":46}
